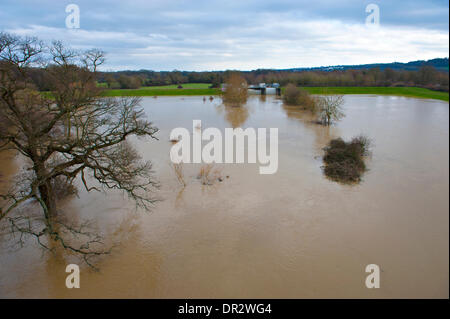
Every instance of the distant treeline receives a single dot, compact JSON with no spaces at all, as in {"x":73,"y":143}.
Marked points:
{"x":426,"y":76}
{"x":441,"y":64}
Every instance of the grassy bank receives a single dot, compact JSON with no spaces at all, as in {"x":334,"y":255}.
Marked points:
{"x":185,"y":86}
{"x":398,"y":91}
{"x":166,"y":90}
{"x":202,"y":89}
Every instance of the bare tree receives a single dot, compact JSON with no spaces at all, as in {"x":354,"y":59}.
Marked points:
{"x":235,"y":90}
{"x":329,"y":108}
{"x":66,"y":134}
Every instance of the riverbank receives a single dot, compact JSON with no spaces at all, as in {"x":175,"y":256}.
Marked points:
{"x":150,"y":91}
{"x":172,"y":90}
{"x":397,"y":91}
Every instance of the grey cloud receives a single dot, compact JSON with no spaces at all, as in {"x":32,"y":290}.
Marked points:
{"x":243,"y":34}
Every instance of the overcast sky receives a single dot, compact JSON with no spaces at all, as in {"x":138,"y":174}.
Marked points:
{"x":238,"y":34}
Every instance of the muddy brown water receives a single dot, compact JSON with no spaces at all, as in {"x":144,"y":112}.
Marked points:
{"x":293,"y":234}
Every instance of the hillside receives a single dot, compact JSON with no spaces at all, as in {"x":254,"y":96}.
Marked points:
{"x":441,"y":64}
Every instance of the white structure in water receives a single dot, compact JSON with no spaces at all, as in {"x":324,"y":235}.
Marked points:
{"x":263,"y":88}
{"x":260,"y":89}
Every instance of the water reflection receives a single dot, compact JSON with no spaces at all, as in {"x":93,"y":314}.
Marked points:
{"x":8,"y":167}
{"x":236,"y":116}
{"x":323,"y":133}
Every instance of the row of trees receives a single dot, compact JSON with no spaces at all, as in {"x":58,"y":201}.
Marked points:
{"x":123,"y":81}
{"x":152,"y":78}
{"x":426,"y":76}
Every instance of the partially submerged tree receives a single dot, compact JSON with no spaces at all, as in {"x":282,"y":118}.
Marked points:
{"x":329,"y":108}
{"x":291,"y":95}
{"x":65,"y":135}
{"x":236,"y":92}
{"x":298,"y":97}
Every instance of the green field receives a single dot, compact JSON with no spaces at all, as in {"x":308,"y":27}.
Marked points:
{"x":399,"y":91}
{"x":175,"y":86}
{"x":146,"y":91}
{"x":202,"y":89}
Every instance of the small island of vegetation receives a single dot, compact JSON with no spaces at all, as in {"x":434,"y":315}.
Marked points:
{"x":344,"y":161}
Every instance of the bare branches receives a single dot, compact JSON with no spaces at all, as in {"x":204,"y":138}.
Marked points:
{"x":329,"y":108}
{"x":62,"y":55}
{"x":69,"y":133}
{"x":16,"y":201}
{"x":93,"y":58}
{"x":20,"y":52}
{"x":82,"y":241}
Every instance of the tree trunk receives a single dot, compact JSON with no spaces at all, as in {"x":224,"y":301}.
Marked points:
{"x":48,"y":198}
{"x":45,"y":188}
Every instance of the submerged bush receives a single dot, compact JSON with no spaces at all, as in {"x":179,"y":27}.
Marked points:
{"x":298,"y":97}
{"x":207,"y":175}
{"x":291,"y":95}
{"x":344,"y":161}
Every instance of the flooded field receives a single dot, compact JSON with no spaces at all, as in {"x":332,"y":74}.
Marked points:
{"x":293,"y":234}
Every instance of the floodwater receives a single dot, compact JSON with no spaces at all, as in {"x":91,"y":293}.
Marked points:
{"x":293,"y":234}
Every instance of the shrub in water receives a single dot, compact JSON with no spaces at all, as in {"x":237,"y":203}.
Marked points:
{"x":344,"y":161}
{"x":298,"y":97}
